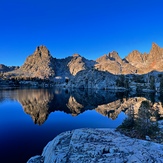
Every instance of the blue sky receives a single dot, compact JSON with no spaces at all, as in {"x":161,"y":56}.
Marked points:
{"x":91,"y":28}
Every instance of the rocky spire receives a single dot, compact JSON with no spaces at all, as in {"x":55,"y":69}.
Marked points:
{"x":155,"y":48}
{"x":40,"y":64}
{"x":42,"y":51}
{"x":134,"y":57}
{"x":114,"y":56}
{"x":156,"y":53}
{"x":76,"y":55}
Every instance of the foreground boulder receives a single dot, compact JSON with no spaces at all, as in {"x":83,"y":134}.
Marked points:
{"x":98,"y":145}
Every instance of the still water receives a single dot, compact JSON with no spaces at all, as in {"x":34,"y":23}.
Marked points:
{"x":30,"y":118}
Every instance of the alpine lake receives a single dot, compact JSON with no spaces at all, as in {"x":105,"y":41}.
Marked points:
{"x":30,"y":118}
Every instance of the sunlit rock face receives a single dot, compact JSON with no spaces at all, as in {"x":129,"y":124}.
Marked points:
{"x":135,"y":62}
{"x":114,"y":64}
{"x":136,"y":58}
{"x":76,"y":64}
{"x":40,"y":64}
{"x":145,"y":63}
{"x":156,"y":53}
{"x":98,"y":145}
{"x":105,"y":64}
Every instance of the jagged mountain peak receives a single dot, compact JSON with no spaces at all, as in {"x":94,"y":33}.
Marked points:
{"x":40,"y":64}
{"x":103,"y":58}
{"x":76,"y":55}
{"x":135,"y":55}
{"x":113,"y":64}
{"x":114,"y":56}
{"x":155,"y":49}
{"x":155,"y":46}
{"x":145,"y":63}
{"x":42,"y":51}
{"x":79,"y":63}
{"x":156,"y":53}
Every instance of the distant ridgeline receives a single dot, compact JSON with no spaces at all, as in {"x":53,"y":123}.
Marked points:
{"x":135,"y":72}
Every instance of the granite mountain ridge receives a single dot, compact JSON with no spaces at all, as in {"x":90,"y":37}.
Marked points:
{"x":42,"y":65}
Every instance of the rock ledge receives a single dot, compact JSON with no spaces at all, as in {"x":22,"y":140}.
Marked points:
{"x":98,"y":145}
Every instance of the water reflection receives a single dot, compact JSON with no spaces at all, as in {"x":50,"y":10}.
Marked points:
{"x":39,"y":103}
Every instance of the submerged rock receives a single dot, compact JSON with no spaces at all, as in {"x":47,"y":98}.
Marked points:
{"x":98,"y":145}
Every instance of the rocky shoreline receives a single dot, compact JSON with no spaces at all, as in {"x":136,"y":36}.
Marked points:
{"x":99,"y":145}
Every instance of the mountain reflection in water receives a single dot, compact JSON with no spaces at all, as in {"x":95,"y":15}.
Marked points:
{"x":39,"y":103}
{"x":56,"y":111}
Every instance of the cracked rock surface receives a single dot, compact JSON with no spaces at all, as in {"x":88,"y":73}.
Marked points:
{"x":98,"y":145}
